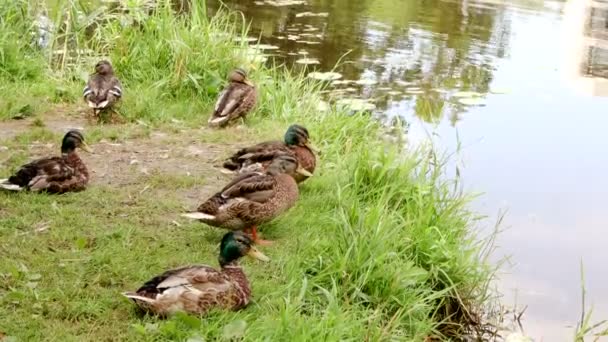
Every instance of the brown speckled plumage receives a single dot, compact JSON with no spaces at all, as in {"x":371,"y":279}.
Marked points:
{"x":251,"y":199}
{"x":103,"y":89}
{"x":258,"y":157}
{"x":55,"y":174}
{"x":235,"y":101}
{"x":198,"y":288}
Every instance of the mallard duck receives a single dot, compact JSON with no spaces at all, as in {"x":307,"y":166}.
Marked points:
{"x":197,"y":289}
{"x":54,"y":174}
{"x":235,"y":101}
{"x":253,"y":198}
{"x":103,"y":89}
{"x":258,"y":157}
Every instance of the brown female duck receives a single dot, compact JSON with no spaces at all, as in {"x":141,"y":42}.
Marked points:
{"x":103,"y":89}
{"x":258,"y":157}
{"x":253,"y":198}
{"x":235,"y":101}
{"x":54,"y":174}
{"x":199,"y":288}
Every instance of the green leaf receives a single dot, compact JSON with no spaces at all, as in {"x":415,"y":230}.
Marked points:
{"x":81,"y":243}
{"x":139,"y":328}
{"x":190,"y":321}
{"x":235,"y":329}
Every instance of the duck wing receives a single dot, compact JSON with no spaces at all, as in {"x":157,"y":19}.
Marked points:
{"x":261,"y":152}
{"x":38,"y":174}
{"x":197,"y":276}
{"x":101,"y":92}
{"x":257,"y":187}
{"x":114,"y":91}
{"x":234,"y":101}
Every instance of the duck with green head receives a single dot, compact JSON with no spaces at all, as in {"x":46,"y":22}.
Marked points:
{"x":60,"y":174}
{"x":235,"y":101}
{"x":258,"y":157}
{"x":253,"y":198}
{"x":197,"y":289}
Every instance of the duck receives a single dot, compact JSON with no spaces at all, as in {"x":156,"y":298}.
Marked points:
{"x":257,"y":157}
{"x":235,"y":101}
{"x":60,"y":174}
{"x":253,"y":198}
{"x":196,"y":289}
{"x":103,"y":89}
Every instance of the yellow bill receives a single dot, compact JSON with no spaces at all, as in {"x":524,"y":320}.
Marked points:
{"x":312,"y":147}
{"x":304,"y":172}
{"x":256,"y":254}
{"x":86,"y":147}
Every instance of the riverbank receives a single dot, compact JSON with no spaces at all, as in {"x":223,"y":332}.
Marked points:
{"x":379,"y":246}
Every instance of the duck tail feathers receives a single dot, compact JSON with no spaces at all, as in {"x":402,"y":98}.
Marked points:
{"x":199,"y":216}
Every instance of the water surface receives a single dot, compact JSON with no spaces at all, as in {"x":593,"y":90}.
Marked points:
{"x":532,"y":137}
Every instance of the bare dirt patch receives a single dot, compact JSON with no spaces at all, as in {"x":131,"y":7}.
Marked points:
{"x":161,"y":157}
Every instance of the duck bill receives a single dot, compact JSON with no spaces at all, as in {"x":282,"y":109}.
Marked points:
{"x":303,"y":172}
{"x":86,"y":148}
{"x":313,"y":147}
{"x":248,"y":82}
{"x":256,"y":254}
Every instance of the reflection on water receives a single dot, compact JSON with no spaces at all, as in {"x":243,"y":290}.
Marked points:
{"x":587,"y":55}
{"x":410,"y":53}
{"x":521,"y":82}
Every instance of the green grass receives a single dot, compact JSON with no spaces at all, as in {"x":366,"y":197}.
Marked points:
{"x":378,"y":247}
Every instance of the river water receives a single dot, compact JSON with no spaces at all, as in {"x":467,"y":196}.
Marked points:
{"x":516,"y":87}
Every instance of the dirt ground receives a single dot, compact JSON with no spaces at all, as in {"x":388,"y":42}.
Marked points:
{"x":129,"y":162}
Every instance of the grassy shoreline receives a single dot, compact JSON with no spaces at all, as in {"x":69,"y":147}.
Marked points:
{"x":379,"y":247}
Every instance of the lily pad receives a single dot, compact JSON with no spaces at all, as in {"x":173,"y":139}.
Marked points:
{"x":414,"y":91}
{"x":325,"y":76}
{"x":403,"y":83}
{"x":357,"y":105}
{"x":366,"y":82}
{"x":471,"y":101}
{"x":466,"y":94}
{"x":253,"y":56}
{"x":246,"y":39}
{"x":280,"y":3}
{"x":265,"y":47}
{"x":341,"y":82}
{"x":308,"y":61}
{"x":500,"y":91}
{"x":311,"y":14}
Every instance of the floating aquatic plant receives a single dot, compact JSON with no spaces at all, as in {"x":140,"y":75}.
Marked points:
{"x":311,"y":14}
{"x":325,"y":76}
{"x":308,"y":61}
